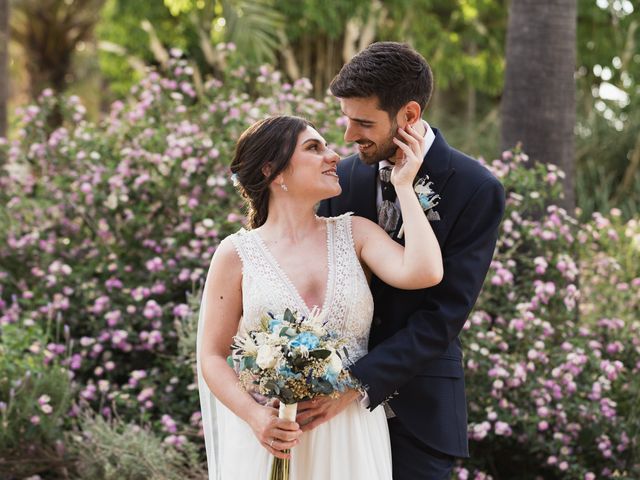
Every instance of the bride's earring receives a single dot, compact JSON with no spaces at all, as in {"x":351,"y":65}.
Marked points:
{"x":284,"y":187}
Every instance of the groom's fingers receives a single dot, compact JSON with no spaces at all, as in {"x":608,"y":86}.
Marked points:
{"x":307,"y":414}
{"x":319,"y":420}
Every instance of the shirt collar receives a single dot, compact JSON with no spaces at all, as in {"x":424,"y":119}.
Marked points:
{"x":427,"y":141}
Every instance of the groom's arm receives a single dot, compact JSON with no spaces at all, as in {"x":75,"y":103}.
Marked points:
{"x":431,"y":329}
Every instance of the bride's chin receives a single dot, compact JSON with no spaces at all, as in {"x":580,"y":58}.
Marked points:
{"x":333,"y":193}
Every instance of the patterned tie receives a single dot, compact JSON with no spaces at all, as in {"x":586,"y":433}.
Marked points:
{"x":388,"y":213}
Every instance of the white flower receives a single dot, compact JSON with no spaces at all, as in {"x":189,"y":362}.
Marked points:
{"x":334,"y":363}
{"x":267,"y":356}
{"x":315,"y":323}
{"x":248,"y":345}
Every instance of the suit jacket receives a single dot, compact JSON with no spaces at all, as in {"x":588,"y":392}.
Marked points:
{"x":415,"y":359}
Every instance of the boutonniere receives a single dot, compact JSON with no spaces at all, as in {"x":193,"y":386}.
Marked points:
{"x":428,"y":200}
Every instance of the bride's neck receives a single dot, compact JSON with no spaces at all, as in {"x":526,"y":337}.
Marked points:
{"x":290,"y":219}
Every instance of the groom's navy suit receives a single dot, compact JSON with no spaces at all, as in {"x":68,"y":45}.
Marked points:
{"x":415,"y":359}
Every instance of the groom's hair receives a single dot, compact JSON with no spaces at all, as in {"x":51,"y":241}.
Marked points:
{"x":393,"y":72}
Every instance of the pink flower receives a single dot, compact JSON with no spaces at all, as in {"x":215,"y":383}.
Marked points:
{"x":145,"y":394}
{"x":502,"y":428}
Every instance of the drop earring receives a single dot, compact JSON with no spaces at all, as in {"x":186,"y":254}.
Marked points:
{"x":284,"y":187}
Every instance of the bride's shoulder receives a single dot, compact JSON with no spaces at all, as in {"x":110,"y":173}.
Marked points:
{"x":344,"y":218}
{"x":355,"y":221}
{"x":361,"y":223}
{"x":227,"y":251}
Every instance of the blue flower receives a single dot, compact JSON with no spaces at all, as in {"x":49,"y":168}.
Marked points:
{"x":286,"y":372}
{"x":332,"y":378}
{"x":273,"y":324}
{"x":305,"y":339}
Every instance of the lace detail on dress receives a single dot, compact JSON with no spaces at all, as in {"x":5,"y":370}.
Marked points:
{"x":348,"y":301}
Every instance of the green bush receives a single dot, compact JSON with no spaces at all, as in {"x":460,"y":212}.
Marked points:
{"x":35,"y":395}
{"x":113,"y":228}
{"x":114,"y":450}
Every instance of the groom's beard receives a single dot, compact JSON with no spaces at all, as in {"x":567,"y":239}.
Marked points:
{"x":384,"y":151}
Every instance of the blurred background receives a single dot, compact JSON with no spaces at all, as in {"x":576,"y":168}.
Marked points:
{"x":118,"y":121}
{"x":99,"y":49}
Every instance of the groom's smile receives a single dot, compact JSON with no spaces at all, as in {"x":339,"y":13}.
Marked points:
{"x":370,"y":128}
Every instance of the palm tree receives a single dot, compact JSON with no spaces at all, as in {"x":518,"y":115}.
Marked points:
{"x":49,"y":31}
{"x":538,"y":103}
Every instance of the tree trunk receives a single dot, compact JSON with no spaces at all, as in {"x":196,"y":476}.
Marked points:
{"x":4,"y":68}
{"x":320,"y":65}
{"x":538,"y":103}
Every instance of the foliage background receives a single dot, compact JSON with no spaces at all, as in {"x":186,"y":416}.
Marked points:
{"x":109,"y":219}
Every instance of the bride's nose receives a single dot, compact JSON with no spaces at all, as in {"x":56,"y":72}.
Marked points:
{"x":332,"y":157}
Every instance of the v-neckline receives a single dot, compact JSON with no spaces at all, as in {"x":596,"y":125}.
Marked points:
{"x":287,"y":280}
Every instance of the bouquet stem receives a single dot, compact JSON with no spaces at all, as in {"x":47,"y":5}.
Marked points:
{"x":280,"y":467}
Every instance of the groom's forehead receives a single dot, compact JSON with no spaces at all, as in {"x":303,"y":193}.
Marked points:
{"x":362,"y":108}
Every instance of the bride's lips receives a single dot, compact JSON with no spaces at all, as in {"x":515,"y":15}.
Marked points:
{"x":332,"y":172}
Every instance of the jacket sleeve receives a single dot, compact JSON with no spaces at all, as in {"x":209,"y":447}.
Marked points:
{"x":445,"y":308}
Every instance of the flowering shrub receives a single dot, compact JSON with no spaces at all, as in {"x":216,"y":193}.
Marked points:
{"x":110,"y":231}
{"x":553,"y":346}
{"x":34,"y":399}
{"x":113,"y":224}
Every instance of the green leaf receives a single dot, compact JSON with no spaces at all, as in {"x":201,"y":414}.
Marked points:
{"x":289,"y":316}
{"x":320,"y":353}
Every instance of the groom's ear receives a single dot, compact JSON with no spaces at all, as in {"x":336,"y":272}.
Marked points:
{"x":412,"y":112}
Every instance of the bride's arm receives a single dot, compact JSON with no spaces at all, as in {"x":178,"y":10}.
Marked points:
{"x":419,"y":263}
{"x":221,"y":317}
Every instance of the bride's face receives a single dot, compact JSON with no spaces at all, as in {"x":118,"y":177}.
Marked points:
{"x":312,"y":170}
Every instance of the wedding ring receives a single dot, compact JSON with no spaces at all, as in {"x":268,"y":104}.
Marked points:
{"x":271,"y":442}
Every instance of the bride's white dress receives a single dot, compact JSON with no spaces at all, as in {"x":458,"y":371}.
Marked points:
{"x":353,"y":445}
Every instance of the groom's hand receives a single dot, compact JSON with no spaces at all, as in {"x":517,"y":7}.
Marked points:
{"x":312,"y":413}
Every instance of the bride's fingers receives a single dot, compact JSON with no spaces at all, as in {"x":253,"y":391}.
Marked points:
{"x":282,"y":424}
{"x":405,"y":148}
{"x":286,"y":435}
{"x":412,"y":141}
{"x":275,"y":452}
{"x":411,"y":130}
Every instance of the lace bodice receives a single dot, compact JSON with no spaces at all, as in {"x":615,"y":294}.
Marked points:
{"x":348,"y":301}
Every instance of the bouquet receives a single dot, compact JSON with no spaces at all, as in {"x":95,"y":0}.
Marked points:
{"x":291,"y":359}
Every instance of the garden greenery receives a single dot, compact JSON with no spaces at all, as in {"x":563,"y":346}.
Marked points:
{"x":107,"y":233}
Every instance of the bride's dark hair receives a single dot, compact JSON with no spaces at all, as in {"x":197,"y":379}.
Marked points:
{"x":267,"y":143}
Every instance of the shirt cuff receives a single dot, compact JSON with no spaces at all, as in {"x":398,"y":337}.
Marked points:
{"x":364,"y":399}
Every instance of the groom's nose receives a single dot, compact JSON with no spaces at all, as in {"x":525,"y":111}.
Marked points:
{"x":351,"y":132}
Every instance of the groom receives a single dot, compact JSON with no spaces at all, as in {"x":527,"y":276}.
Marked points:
{"x":415,"y":363}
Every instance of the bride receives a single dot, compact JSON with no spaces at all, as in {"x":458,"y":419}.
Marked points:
{"x":290,"y":258}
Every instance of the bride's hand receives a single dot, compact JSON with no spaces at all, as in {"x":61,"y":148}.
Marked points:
{"x":406,"y":168}
{"x":275,"y":434}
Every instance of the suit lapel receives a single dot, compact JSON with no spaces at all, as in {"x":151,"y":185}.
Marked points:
{"x":363,"y":190}
{"x":436,"y":165}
